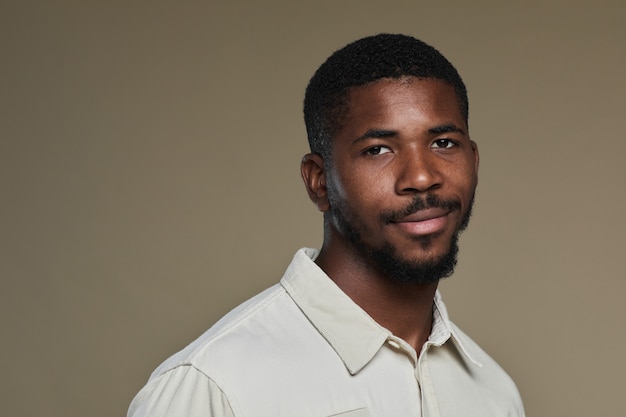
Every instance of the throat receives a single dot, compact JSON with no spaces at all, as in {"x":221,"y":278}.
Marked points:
{"x":405,"y":309}
{"x":408,"y":316}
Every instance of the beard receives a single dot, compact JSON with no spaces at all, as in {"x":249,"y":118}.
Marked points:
{"x":386,"y":258}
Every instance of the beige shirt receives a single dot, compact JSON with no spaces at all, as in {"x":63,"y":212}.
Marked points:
{"x":304,"y":348}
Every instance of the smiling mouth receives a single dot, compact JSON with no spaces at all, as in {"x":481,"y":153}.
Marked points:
{"x":424,"y":222}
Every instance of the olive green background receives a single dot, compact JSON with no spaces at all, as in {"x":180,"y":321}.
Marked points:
{"x":149,"y":180}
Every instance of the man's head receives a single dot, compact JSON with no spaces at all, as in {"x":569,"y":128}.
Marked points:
{"x":362,"y":62}
{"x":392,"y":165}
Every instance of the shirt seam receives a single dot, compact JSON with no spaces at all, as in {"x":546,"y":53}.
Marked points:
{"x":194,"y":357}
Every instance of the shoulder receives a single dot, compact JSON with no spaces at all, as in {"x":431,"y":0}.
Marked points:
{"x":181,"y":391}
{"x":194,"y":378}
{"x":231,"y":335}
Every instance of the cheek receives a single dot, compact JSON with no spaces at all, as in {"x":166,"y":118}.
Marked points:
{"x":367,"y":193}
{"x":469,"y":188}
{"x":335,"y":189}
{"x":362,"y":197}
{"x":463,"y":175}
{"x":348,"y":184}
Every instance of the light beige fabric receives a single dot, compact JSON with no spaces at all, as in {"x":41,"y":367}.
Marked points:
{"x":303,"y":348}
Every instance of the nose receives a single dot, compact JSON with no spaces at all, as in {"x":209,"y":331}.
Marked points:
{"x":418,"y":173}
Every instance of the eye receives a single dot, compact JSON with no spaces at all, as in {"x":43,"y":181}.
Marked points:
{"x":377,"y":150}
{"x":443,"y":144}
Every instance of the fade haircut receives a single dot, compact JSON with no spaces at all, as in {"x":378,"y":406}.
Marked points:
{"x":362,"y":62}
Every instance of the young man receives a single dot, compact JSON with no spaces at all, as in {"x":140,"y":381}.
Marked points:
{"x":358,"y":328}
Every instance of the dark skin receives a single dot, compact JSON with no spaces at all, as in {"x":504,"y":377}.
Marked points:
{"x":400,"y":138}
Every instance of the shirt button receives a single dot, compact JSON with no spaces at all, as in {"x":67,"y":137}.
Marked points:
{"x":394,"y":344}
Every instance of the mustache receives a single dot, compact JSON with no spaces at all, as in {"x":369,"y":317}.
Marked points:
{"x":421,"y":203}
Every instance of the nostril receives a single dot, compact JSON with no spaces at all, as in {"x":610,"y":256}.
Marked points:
{"x":418,"y":179}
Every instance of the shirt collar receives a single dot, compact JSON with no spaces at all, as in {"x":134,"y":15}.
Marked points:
{"x":443,"y":329}
{"x":353,"y":334}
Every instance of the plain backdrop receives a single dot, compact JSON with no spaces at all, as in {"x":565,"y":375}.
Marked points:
{"x":149,"y":174}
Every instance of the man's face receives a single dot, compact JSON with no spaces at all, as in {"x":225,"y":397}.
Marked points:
{"x":402,"y":178}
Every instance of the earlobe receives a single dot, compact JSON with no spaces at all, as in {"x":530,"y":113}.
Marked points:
{"x":314,"y":177}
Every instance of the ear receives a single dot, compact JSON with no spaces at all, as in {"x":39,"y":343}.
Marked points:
{"x":314,"y":177}
{"x":476,"y":157}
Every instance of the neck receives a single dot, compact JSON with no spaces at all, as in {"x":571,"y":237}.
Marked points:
{"x":404,"y":309}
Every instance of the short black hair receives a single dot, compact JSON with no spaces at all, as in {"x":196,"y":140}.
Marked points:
{"x":364,"y":61}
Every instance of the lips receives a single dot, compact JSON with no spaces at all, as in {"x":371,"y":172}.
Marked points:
{"x":424,"y":215}
{"x":424,"y":222}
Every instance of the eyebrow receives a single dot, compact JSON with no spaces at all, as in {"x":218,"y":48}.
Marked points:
{"x":385,"y":133}
{"x":376,"y":133}
{"x":449,"y":128}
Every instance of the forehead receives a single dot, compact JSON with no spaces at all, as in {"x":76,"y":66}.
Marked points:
{"x":388,"y":92}
{"x":402,"y":100}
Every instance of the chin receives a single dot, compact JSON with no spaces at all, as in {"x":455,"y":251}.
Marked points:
{"x":427,"y":266}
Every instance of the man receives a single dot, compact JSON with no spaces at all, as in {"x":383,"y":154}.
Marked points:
{"x":358,"y":328}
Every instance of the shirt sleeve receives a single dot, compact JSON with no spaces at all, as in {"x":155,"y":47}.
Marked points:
{"x":182,"y":391}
